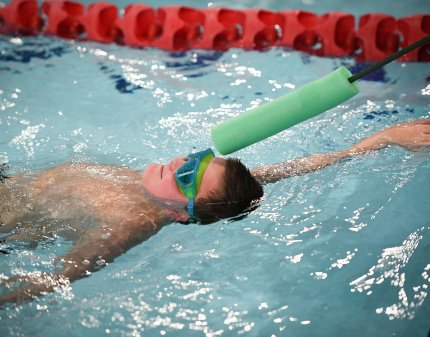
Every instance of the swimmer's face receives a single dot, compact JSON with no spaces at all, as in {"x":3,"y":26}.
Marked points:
{"x":159,"y":180}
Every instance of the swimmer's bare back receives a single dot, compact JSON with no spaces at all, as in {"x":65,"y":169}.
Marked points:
{"x":112,"y":196}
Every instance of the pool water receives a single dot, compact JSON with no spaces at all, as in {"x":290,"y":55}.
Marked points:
{"x":339,"y":252}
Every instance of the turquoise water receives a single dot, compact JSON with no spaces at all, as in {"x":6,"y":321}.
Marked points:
{"x":340,"y":252}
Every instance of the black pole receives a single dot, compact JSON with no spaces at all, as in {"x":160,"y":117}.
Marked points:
{"x":390,"y":58}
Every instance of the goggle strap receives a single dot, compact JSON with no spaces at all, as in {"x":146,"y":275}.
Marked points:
{"x":203,"y":165}
{"x":190,"y":207}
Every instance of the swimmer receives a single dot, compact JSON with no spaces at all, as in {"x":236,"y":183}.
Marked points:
{"x":106,"y":210}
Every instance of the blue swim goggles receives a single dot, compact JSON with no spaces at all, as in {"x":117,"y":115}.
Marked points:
{"x":189,"y":176}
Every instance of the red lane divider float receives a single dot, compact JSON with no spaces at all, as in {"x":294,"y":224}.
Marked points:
{"x":20,"y":17}
{"x":260,"y":29}
{"x":139,"y":26}
{"x":299,"y":30}
{"x":222,"y":28}
{"x":63,"y":18}
{"x":179,"y":28}
{"x":336,"y":34}
{"x":99,"y":22}
{"x":377,"y":36}
{"x":412,"y":29}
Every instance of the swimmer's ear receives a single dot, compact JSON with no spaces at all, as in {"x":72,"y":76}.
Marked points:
{"x":180,"y":216}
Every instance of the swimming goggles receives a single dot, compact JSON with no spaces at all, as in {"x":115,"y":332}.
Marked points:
{"x":189,"y":176}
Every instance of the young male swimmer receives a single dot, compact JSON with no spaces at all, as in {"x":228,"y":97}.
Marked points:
{"x":106,"y":210}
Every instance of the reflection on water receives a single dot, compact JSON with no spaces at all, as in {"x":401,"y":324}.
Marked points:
{"x":392,"y":267}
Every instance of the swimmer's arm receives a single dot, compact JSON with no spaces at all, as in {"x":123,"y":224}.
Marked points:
{"x":315,"y":162}
{"x":414,"y":136}
{"x":318,"y":161}
{"x":86,"y":256}
{"x":101,"y":247}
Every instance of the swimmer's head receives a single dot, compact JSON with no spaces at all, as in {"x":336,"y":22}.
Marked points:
{"x":239,"y":194}
{"x":227,"y":190}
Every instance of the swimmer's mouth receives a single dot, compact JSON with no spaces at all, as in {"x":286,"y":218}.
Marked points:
{"x":162,"y":169}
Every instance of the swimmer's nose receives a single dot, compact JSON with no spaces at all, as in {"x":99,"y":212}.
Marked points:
{"x":177,"y":163}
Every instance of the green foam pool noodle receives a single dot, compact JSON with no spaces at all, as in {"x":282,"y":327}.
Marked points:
{"x":271,"y":118}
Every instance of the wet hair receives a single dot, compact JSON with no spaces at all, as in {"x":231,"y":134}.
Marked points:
{"x":3,"y":169}
{"x":239,"y":194}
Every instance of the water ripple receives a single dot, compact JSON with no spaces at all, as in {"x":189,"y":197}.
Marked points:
{"x":25,"y":50}
{"x":391,"y":268}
